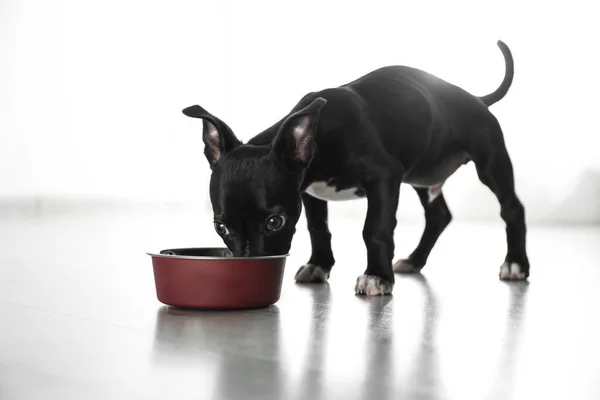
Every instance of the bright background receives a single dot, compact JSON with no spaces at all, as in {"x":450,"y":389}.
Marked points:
{"x":91,"y":92}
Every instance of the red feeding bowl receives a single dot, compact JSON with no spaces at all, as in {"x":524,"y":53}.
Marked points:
{"x":212,"y":278}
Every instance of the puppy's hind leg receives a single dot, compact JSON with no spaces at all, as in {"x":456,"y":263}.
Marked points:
{"x":319,"y":265}
{"x":437,"y":218}
{"x":496,"y":172}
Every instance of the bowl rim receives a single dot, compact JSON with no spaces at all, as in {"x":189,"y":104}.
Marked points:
{"x":227,"y":258}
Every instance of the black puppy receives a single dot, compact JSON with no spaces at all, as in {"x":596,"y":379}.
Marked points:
{"x":363,"y":139}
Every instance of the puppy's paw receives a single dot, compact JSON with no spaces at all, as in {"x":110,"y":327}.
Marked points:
{"x":372,"y":286}
{"x":311,"y":273}
{"x":406,"y":267}
{"x":512,"y":272}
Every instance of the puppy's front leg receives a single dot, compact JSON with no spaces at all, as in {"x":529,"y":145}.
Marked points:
{"x":321,"y":260}
{"x":378,"y":234}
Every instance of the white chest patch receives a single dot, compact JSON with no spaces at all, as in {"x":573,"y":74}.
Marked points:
{"x":322,"y":191}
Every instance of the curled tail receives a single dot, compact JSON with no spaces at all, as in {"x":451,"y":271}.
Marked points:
{"x":499,"y":93}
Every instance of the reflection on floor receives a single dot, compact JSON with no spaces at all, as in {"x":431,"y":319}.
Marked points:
{"x":80,"y":319}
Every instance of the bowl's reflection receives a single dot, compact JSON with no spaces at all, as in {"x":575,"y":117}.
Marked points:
{"x":242,"y":348}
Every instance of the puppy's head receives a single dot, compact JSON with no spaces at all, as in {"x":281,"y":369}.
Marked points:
{"x":255,"y":190}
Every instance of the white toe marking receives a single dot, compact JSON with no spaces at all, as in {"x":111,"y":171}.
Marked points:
{"x":311,"y":273}
{"x":511,"y":271}
{"x":372,"y":286}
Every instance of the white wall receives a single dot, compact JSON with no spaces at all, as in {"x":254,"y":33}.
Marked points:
{"x":91,"y":92}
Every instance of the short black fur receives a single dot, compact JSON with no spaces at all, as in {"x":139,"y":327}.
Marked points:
{"x":394,"y":125}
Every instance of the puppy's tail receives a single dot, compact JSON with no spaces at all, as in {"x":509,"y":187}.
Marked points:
{"x":499,"y":93}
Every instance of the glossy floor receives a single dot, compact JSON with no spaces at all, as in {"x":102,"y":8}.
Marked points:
{"x":80,"y":320}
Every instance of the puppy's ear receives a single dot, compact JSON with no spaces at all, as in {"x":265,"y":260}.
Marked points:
{"x":217,"y":136}
{"x":295,"y":141}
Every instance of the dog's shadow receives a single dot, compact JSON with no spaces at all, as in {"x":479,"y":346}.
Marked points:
{"x":516,"y":312}
{"x":313,"y":379}
{"x":251,"y":349}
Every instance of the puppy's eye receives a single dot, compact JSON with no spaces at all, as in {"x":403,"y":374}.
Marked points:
{"x":275,"y":222}
{"x":221,"y":228}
